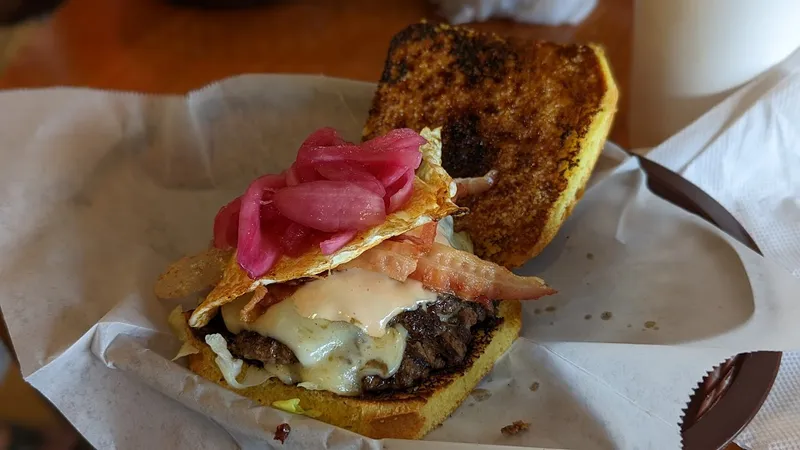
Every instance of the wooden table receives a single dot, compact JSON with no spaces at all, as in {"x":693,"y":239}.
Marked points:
{"x":149,"y":46}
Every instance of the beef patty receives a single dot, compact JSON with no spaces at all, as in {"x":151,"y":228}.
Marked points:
{"x":248,"y":345}
{"x":439,"y":338}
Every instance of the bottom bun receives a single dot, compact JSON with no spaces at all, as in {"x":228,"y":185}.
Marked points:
{"x":408,"y":414}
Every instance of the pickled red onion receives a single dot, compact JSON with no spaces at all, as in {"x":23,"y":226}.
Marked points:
{"x":296,"y":239}
{"x":292,"y":178}
{"x":322,"y":138}
{"x":396,"y":140}
{"x":352,"y":172}
{"x":332,"y":190}
{"x":331,"y":206}
{"x":389,"y":173}
{"x":400,"y":192}
{"x":337,"y":241}
{"x":405,"y":156}
{"x":301,"y":174}
{"x":226,"y":225}
{"x":258,"y":250}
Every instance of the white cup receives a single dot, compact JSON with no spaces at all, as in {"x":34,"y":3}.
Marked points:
{"x":689,"y":54}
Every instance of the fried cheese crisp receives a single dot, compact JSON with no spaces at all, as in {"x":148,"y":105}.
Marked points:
{"x":431,"y":201}
{"x":192,"y":274}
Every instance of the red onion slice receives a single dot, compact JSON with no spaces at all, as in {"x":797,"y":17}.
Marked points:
{"x":258,"y":249}
{"x":226,"y":225}
{"x":400,"y":192}
{"x":272,"y":221}
{"x":333,"y":189}
{"x":323,"y":137}
{"x":331,"y":206}
{"x":296,"y":239}
{"x":352,"y":172}
{"x":396,"y":140}
{"x":312,"y":156}
{"x":337,"y":241}
{"x":389,"y":173}
{"x":298,"y":174}
{"x":292,"y":178}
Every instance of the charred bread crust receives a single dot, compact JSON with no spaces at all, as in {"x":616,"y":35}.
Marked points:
{"x":538,"y":112}
{"x":401,"y":414}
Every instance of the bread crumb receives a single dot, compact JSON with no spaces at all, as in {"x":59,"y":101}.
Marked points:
{"x":649,"y":324}
{"x":481,"y":394}
{"x":550,"y":308}
{"x":590,"y":256}
{"x":587,"y":317}
{"x":606,"y":315}
{"x":535,"y":386}
{"x":537,"y":311}
{"x":517,"y":427}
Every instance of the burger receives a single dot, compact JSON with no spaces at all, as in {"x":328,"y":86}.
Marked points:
{"x":343,"y":289}
{"x":364,"y":285}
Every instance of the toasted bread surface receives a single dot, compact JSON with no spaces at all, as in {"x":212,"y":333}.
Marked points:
{"x":400,"y":414}
{"x":537,"y":112}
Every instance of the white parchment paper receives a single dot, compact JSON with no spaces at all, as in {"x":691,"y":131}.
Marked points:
{"x":745,"y":152}
{"x":100,"y":191}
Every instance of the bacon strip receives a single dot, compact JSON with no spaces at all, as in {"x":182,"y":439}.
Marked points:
{"x":422,"y":236}
{"x":445,"y":269}
{"x":392,"y":258}
{"x":476,"y":185}
{"x":263,"y":298}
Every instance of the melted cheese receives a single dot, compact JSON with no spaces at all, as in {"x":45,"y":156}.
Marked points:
{"x":445,"y":234}
{"x":366,"y":299}
{"x":333,"y":356}
{"x":337,"y":326}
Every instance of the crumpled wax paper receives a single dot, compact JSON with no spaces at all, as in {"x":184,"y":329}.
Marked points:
{"x":99,"y":191}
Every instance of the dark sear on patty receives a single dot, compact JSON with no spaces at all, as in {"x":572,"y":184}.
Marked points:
{"x":248,"y":345}
{"x":439,"y":338}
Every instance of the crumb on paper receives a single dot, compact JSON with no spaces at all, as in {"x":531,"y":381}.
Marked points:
{"x":550,"y":308}
{"x":552,"y":323}
{"x":535,"y":386}
{"x":587,"y":317}
{"x":649,"y":324}
{"x":606,"y":315}
{"x":629,"y":325}
{"x":590,"y":256}
{"x":537,"y":311}
{"x":517,"y":427}
{"x":481,"y":394}
{"x":282,"y":432}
